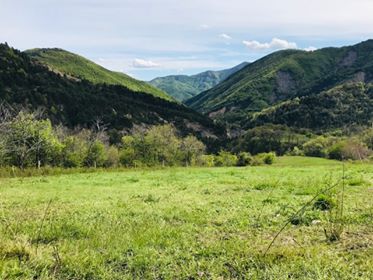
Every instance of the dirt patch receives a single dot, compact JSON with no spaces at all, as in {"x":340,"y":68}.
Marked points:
{"x":218,"y":112}
{"x":357,"y":241}
{"x":285,"y":82}
{"x":199,"y":128}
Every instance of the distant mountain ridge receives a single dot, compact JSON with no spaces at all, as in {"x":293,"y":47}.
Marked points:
{"x":76,"y":66}
{"x":263,"y":91}
{"x":183,"y":87}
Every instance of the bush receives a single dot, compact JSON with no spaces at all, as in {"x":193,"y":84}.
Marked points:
{"x":324,"y":203}
{"x":96,"y":155}
{"x":29,"y":141}
{"x":351,"y":149}
{"x":127,"y":154}
{"x":266,"y":158}
{"x":244,"y":159}
{"x":225,"y":158}
{"x":296,"y":152}
{"x":316,"y":147}
{"x":74,"y":152}
{"x":192,"y":149}
{"x":208,"y":160}
{"x":112,"y":159}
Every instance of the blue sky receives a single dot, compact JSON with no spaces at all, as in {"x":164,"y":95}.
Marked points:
{"x":149,"y":38}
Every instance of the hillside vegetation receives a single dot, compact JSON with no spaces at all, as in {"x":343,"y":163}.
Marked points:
{"x":345,"y":105}
{"x":291,"y":74}
{"x":79,"y":103}
{"x":74,"y":65}
{"x":183,"y":87}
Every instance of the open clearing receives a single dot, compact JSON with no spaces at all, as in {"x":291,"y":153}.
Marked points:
{"x":185,"y":223}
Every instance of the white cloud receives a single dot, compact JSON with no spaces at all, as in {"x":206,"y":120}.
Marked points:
{"x":310,"y":49}
{"x":141,"y":63}
{"x":275,"y":44}
{"x":225,"y":36}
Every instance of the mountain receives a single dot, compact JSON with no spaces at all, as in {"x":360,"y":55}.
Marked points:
{"x":183,"y":87}
{"x":79,"y":102}
{"x":290,"y":78}
{"x":76,"y":66}
{"x":345,"y":105}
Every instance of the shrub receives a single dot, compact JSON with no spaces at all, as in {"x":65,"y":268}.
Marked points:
{"x":244,"y":159}
{"x":225,"y":158}
{"x":96,"y":155}
{"x":367,"y":138}
{"x":266,"y":158}
{"x":112,"y":159}
{"x":296,"y":152}
{"x":316,"y":147}
{"x":324,"y":203}
{"x":74,"y":152}
{"x":349,"y":149}
{"x":29,"y":141}
{"x":208,"y":160}
{"x":127,"y":154}
{"x":192,"y":149}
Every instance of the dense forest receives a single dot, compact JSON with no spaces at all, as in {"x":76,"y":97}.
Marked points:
{"x":318,"y":79}
{"x":78,"y":67}
{"x":75,"y":103}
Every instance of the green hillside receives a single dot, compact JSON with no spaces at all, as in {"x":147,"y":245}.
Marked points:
{"x":183,"y":87}
{"x":345,"y":105}
{"x":78,"y":103}
{"x":73,"y":65}
{"x":282,"y":76}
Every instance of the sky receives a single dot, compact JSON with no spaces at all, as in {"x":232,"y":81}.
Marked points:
{"x":151,"y":38}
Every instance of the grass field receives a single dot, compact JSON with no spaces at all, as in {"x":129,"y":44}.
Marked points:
{"x":185,"y":223}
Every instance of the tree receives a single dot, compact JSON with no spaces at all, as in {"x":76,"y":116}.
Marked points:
{"x":316,"y":147}
{"x":96,"y":155}
{"x":29,"y":141}
{"x":164,"y":145}
{"x":74,"y":151}
{"x":349,"y":149}
{"x":128,"y":153}
{"x":112,"y":157}
{"x":192,"y":150}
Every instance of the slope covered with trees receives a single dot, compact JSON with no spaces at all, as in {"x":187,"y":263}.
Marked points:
{"x":78,"y":103}
{"x":284,"y":76}
{"x":342,"y":106}
{"x":183,"y":87}
{"x":76,"y":66}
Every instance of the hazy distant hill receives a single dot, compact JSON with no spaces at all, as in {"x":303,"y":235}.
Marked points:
{"x":293,"y":84}
{"x":79,"y":67}
{"x":183,"y":87}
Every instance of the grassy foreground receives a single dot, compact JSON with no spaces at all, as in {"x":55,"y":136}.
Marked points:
{"x":185,"y":223}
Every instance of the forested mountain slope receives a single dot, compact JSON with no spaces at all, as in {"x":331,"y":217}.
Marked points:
{"x":74,"y":65}
{"x":79,"y":103}
{"x":284,"y":76}
{"x":183,"y":87}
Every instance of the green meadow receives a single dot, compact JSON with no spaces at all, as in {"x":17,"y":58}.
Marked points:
{"x":188,"y":223}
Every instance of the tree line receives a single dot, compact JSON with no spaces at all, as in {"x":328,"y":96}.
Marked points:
{"x":28,"y":140}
